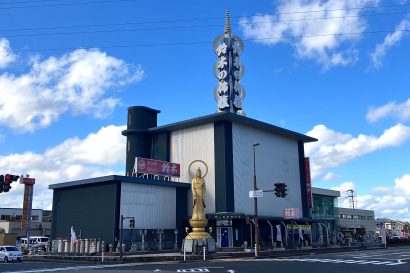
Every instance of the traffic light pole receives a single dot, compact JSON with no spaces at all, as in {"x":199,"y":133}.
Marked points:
{"x":121,"y":227}
{"x":122,"y":218}
{"x":255,"y":204}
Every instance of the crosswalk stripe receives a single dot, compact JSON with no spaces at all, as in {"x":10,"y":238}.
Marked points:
{"x":335,"y":261}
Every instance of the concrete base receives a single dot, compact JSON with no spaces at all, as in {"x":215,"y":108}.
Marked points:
{"x":196,"y":246}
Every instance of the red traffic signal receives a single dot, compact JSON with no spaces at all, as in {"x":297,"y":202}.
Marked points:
{"x":1,"y":183}
{"x":8,"y":179}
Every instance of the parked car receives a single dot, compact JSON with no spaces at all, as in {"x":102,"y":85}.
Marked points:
{"x":10,"y":253}
{"x":35,"y":242}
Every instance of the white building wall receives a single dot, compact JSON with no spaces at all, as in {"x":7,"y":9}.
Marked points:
{"x":277,"y":160}
{"x":196,"y":143}
{"x":153,"y":207}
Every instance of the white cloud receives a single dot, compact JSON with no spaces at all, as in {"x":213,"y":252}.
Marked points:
{"x":399,"y":111}
{"x":100,"y":153}
{"x":6,"y":55}
{"x":77,"y":82}
{"x":334,"y":149}
{"x":390,"y":40}
{"x":387,"y":202}
{"x":311,"y":40}
{"x":331,"y":176}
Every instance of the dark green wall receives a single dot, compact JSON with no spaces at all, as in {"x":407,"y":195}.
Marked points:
{"x":224,"y":184}
{"x":90,"y":208}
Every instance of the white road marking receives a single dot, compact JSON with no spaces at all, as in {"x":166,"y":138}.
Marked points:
{"x":334,"y":261}
{"x":72,"y":268}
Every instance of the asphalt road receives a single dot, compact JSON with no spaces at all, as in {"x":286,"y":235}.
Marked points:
{"x":390,"y":260}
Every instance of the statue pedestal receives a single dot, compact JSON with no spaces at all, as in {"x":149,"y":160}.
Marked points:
{"x":196,"y":240}
{"x":196,"y":246}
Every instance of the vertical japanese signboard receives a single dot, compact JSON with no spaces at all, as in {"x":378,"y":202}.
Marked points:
{"x":27,"y":202}
{"x":308,"y":183}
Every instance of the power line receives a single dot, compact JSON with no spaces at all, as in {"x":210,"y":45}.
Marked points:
{"x":62,"y":4}
{"x":203,"y":42}
{"x":167,"y":28}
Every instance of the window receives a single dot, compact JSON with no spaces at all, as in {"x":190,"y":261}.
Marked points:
{"x":5,"y":217}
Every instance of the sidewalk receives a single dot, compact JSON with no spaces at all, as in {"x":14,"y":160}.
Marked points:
{"x":177,"y":256}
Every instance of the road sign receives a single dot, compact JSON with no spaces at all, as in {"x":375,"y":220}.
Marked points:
{"x":256,"y":194}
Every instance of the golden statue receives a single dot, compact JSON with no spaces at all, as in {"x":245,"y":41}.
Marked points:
{"x":198,"y":222}
{"x":198,"y":196}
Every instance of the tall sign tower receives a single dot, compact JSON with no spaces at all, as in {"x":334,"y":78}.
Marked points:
{"x":229,"y":93}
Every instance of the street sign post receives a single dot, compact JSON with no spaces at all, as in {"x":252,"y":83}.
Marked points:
{"x":256,"y":194}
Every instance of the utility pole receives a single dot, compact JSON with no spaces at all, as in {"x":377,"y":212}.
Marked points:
{"x":255,"y":202}
{"x":352,"y":196}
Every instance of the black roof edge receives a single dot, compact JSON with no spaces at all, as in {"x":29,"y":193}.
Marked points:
{"x":227,"y":116}
{"x":110,"y":178}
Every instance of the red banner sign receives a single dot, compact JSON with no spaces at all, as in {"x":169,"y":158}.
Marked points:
{"x":156,"y":167}
{"x":308,"y":183}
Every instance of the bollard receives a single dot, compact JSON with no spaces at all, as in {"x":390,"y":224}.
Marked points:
{"x":142,"y":241}
{"x":87,"y":246}
{"x":102,"y":257}
{"x":204,"y":250}
{"x":60,"y":246}
{"x":66,"y":246}
{"x":82,"y":246}
{"x":255,"y":251}
{"x":184,"y":253}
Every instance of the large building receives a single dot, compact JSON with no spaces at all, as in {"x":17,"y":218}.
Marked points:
{"x":230,"y":145}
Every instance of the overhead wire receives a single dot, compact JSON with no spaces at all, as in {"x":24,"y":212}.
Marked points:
{"x":206,"y":42}
{"x":173,"y":27}
{"x":60,"y":4}
{"x":197,"y":26}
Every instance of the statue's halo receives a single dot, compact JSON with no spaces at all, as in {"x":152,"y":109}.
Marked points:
{"x":200,"y":161}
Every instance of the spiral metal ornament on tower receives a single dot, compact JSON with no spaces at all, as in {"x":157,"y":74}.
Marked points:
{"x":228,"y":69}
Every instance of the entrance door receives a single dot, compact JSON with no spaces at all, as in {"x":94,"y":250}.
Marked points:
{"x":224,"y":237}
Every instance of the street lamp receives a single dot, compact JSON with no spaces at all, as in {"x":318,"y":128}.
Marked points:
{"x":255,"y":202}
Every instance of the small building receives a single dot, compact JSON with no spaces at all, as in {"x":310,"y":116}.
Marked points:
{"x":10,"y":222}
{"x":355,"y":223}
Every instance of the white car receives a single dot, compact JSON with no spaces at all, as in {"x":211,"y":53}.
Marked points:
{"x":10,"y":253}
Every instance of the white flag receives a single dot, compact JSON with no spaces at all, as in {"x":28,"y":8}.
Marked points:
{"x":73,"y":236}
{"x":278,"y":234}
{"x":300,"y":233}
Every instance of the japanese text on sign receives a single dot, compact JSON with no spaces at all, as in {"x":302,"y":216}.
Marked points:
{"x":291,"y":213}
{"x":156,"y":167}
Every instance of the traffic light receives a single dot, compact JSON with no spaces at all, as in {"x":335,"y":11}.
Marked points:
{"x":132,"y":223}
{"x":280,"y":190}
{"x":1,"y":183}
{"x":8,"y":179}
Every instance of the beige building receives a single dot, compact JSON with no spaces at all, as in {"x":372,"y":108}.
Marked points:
{"x":10,"y":222}
{"x":356,"y":222}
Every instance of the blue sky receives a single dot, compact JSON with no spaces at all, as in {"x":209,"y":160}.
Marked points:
{"x":335,"y":70}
